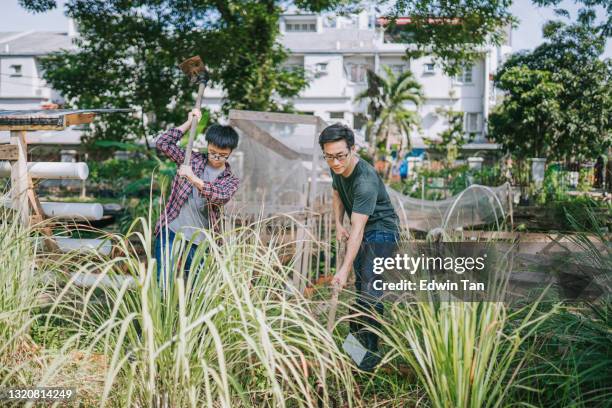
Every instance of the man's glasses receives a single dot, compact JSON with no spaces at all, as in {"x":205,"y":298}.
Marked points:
{"x":218,"y":156}
{"x":340,"y":156}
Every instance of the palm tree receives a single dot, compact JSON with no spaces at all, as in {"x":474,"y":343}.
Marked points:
{"x":389,"y":97}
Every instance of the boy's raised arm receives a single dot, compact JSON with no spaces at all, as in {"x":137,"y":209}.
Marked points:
{"x":167,"y":143}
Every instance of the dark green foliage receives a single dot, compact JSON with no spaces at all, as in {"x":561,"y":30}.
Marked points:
{"x":128,"y":52}
{"x":570,"y":358}
{"x":453,"y":30}
{"x":558,"y":97}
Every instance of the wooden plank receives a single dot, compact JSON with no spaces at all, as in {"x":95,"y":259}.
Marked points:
{"x":9,"y":153}
{"x":273,"y":117}
{"x":19,"y":177}
{"x":78,"y":118}
{"x":267,"y":140}
{"x":30,"y":127}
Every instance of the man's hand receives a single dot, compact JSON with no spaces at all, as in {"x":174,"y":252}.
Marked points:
{"x":342,"y":234}
{"x":339,"y":280}
{"x":186,"y":171}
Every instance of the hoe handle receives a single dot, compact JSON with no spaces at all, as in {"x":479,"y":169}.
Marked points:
{"x":194,"y":125}
{"x":331,"y":315}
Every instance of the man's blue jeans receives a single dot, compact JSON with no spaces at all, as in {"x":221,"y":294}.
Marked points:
{"x":374,"y":244}
{"x":164,"y":241}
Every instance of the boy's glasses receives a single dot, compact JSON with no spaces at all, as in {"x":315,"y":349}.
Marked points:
{"x":340,"y":156}
{"x":218,"y":156}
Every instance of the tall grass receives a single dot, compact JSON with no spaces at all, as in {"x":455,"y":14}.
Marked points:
{"x":462,"y":353}
{"x":232,"y":334}
{"x":21,"y":287}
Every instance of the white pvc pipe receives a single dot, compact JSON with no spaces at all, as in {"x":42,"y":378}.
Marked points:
{"x":86,"y":211}
{"x":59,"y":137}
{"x":51,"y":170}
{"x":103,"y":246}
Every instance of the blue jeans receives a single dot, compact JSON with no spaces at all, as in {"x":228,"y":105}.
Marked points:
{"x":166,"y":237}
{"x":374,"y":244}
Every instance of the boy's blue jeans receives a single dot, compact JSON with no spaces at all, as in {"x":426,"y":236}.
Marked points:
{"x":164,"y":240}
{"x":374,"y":244}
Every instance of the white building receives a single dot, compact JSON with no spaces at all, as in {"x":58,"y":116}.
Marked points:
{"x":21,"y":83}
{"x":336,"y":51}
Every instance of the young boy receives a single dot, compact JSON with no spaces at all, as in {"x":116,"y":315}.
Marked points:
{"x":199,"y":191}
{"x":359,"y":191}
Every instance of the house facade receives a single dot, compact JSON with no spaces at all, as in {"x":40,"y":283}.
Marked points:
{"x":336,"y":51}
{"x":21,"y":83}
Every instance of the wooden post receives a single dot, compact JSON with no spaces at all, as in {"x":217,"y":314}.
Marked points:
{"x":312,"y":194}
{"x":19,"y":177}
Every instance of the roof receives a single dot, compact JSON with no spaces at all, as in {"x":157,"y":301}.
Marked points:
{"x":33,"y":42}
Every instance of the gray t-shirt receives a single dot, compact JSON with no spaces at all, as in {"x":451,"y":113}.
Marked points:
{"x":364,"y":192}
{"x":194,"y":213}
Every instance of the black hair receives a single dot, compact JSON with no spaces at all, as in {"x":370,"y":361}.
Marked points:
{"x":222,"y":136}
{"x":336,"y":132}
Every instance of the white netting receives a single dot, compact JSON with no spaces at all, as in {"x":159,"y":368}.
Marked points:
{"x":476,"y":205}
{"x":274,"y":161}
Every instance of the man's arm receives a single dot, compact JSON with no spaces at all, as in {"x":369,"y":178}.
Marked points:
{"x":341,"y":232}
{"x":358,"y":222}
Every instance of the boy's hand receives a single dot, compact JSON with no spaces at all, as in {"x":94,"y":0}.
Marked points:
{"x":186,"y":171}
{"x":197,"y":113}
{"x":193,"y":114}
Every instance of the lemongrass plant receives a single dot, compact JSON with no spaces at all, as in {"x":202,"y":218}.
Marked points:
{"x":465,"y":354}
{"x":21,"y":287}
{"x":231,"y":334}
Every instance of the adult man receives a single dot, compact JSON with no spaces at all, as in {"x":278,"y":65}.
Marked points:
{"x":199,"y":191}
{"x":359,"y":192}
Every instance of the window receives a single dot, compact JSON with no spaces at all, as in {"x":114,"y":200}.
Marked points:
{"x":429,"y":68}
{"x":398,"y":69}
{"x":465,"y":76}
{"x":359,"y":121}
{"x":293,"y":67}
{"x":300,"y":27}
{"x":472,"y":122}
{"x":357,"y":73}
{"x":15,"y":70}
{"x":336,"y":115}
{"x":321,"y":68}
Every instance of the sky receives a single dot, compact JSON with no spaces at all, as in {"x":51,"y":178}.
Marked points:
{"x":527,"y":35}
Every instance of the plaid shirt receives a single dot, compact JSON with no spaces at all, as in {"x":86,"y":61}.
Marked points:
{"x":217,"y":192}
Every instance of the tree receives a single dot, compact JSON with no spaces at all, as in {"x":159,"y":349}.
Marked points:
{"x":566,"y":88}
{"x":453,"y":31}
{"x":525,"y":123}
{"x":128,"y":52}
{"x":452,"y":138}
{"x":388,"y":99}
